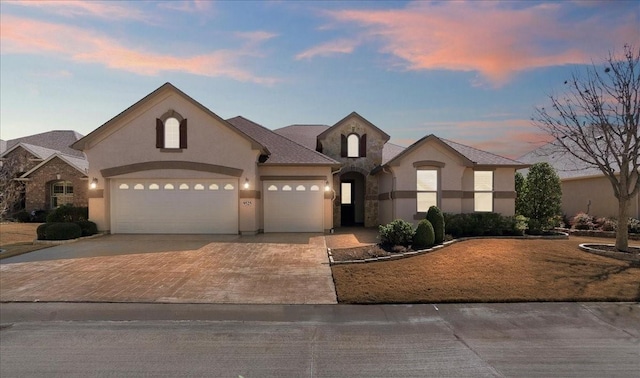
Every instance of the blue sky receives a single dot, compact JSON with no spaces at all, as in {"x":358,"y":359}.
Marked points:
{"x":466,"y":71}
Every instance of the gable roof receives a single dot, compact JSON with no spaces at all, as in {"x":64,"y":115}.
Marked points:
{"x":37,"y":151}
{"x":283,"y":151}
{"x":386,"y":136}
{"x":471,"y":156}
{"x":81,"y":164}
{"x":166,"y":87}
{"x":306,"y":135}
{"x":566,"y":165}
{"x":57,"y":140}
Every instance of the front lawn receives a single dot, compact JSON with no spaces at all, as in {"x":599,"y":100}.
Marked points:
{"x":492,"y":270}
{"x":17,"y":238}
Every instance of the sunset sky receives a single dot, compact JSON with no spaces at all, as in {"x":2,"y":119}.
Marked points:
{"x":469,"y":71}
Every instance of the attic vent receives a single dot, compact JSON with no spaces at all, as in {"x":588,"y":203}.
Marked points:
{"x":263,"y":158}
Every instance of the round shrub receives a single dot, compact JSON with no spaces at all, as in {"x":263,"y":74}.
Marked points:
{"x":424,"y":236}
{"x":62,"y":231}
{"x":40,"y":216}
{"x":22,"y":217}
{"x":41,"y":230}
{"x":88,"y":228}
{"x":582,"y":221}
{"x":435,"y":217}
{"x":398,"y":232}
{"x":634,"y":225}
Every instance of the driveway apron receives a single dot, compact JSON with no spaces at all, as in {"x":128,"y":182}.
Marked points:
{"x":271,"y":268}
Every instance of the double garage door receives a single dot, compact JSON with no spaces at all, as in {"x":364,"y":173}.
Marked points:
{"x":174,"y":206}
{"x":211,"y":206}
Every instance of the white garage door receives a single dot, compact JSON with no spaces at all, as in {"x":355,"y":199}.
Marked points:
{"x":293,"y":206}
{"x":174,"y":206}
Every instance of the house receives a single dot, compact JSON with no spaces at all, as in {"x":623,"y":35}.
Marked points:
{"x":584,"y":187}
{"x":53,"y":173}
{"x":167,"y":164}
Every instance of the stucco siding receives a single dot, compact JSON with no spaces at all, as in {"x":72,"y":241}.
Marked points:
{"x":593,"y":195}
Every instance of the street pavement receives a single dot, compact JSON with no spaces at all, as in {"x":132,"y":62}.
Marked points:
{"x":214,"y":340}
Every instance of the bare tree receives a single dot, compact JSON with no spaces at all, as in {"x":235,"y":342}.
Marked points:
{"x":10,"y":189}
{"x":596,"y":122}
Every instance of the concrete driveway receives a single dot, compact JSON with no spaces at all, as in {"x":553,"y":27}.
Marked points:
{"x":271,"y":268}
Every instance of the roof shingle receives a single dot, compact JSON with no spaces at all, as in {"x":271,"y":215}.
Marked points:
{"x":283,"y":150}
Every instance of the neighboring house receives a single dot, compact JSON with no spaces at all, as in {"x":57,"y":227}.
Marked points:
{"x":167,"y":164}
{"x":584,"y":187}
{"x":53,"y":173}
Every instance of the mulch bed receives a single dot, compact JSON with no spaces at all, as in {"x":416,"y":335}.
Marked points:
{"x":365,"y":252}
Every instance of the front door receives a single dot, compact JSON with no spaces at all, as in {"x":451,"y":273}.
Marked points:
{"x":347,"y":208}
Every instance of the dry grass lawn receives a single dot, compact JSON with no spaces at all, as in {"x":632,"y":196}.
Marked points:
{"x":17,"y":238}
{"x":492,"y":270}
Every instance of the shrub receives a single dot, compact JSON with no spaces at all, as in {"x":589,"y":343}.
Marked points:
{"x":424,"y":236}
{"x":22,"y":216}
{"x":41,"y":230}
{"x":62,"y":231}
{"x":39,"y":216}
{"x":582,"y":221}
{"x":435,"y":217}
{"x":634,"y":225}
{"x":88,"y":228}
{"x":68,"y":213}
{"x":542,"y":198}
{"x":398,"y":232}
{"x":607,"y":224}
{"x":483,"y":224}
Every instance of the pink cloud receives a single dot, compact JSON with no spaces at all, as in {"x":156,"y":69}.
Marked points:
{"x":107,"y":10}
{"x":20,"y":35}
{"x":485,"y":37}
{"x":341,"y":46}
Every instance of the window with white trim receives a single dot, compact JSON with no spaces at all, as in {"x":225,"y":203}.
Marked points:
{"x":172,"y":133}
{"x":483,"y":191}
{"x":61,"y":193}
{"x":426,"y":189}
{"x":353,"y":145}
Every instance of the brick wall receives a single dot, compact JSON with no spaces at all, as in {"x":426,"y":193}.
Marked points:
{"x":38,"y":188}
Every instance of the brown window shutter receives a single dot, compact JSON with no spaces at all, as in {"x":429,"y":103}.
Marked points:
{"x":343,"y":146}
{"x":363,"y":145}
{"x":159,"y":133}
{"x":183,"y":133}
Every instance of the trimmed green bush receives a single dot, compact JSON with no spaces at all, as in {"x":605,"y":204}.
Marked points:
{"x":424,"y":236}
{"x":22,"y":216}
{"x":542,"y":198}
{"x":483,"y":224}
{"x":41,"y":230}
{"x":39,"y":216}
{"x":398,"y":232}
{"x":435,"y":216}
{"x":88,"y":228}
{"x":62,"y":231}
{"x":68,"y":213}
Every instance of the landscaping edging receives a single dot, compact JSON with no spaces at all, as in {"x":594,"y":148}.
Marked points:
{"x":58,"y":242}
{"x":397,"y":256}
{"x":599,"y":234}
{"x":592,"y":248}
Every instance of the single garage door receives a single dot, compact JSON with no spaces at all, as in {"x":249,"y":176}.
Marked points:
{"x":293,"y":206}
{"x":174,"y":206}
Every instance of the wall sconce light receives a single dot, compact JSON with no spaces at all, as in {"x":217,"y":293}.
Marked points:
{"x":246,"y":183}
{"x":326,"y":186}
{"x":94,"y":183}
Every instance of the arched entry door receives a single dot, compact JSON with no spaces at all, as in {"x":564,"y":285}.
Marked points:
{"x":352,"y":193}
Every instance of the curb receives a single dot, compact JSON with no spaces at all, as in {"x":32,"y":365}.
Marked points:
{"x":396,"y":256}
{"x":592,"y":248}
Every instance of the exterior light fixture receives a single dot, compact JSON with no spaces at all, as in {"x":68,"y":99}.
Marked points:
{"x":94,"y":183}
{"x":326,"y":186}
{"x":246,"y":183}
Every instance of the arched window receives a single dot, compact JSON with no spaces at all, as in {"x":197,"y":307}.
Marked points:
{"x":171,"y":131}
{"x":61,"y":193}
{"x":353,"y":146}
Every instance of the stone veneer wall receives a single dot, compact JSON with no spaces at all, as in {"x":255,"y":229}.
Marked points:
{"x":38,"y":188}
{"x":331,"y":147}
